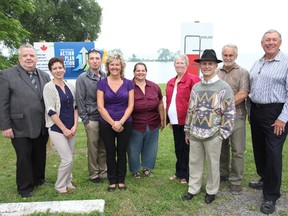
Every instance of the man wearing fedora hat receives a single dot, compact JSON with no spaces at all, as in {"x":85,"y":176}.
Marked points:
{"x":210,"y":119}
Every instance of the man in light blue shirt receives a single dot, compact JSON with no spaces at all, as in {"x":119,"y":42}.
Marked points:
{"x":268,"y":117}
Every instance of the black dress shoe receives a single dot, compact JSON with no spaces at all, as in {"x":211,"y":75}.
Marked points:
{"x":187,"y":196}
{"x":258,"y":185}
{"x":96,"y":180}
{"x":43,"y":183}
{"x":268,"y":207}
{"x":209,"y":198}
{"x":26,"y":195}
{"x":223,"y":178}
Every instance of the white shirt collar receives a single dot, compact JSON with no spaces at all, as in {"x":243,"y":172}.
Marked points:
{"x":213,"y":80}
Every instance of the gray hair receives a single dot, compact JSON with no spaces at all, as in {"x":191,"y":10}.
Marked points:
{"x":182,"y":56}
{"x":271,"y":31}
{"x":27,"y":45}
{"x":231,"y":46}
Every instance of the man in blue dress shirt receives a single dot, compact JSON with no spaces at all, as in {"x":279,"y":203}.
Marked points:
{"x":268,"y":117}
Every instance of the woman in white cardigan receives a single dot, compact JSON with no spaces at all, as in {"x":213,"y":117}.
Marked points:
{"x":61,"y":120}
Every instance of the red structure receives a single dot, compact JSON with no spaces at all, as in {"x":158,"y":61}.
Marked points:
{"x":193,"y":67}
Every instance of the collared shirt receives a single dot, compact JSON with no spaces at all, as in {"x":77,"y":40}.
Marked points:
{"x":146,"y":105}
{"x":93,"y":76}
{"x":213,"y":80}
{"x":36,"y":77}
{"x":86,"y":87}
{"x":238,"y":79}
{"x":269,"y":82}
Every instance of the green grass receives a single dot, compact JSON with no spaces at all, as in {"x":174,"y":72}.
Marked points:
{"x":146,"y":196}
{"x":162,"y":87}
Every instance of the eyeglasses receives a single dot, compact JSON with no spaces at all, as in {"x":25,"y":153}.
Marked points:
{"x":95,"y":50}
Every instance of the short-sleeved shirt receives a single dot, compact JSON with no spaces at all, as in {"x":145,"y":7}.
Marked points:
{"x":146,"y":105}
{"x":239,"y":80}
{"x":115,"y":102}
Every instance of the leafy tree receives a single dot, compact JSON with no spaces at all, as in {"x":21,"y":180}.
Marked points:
{"x":165,"y":55}
{"x":12,"y":33}
{"x":68,"y":20}
{"x":134,"y":58}
{"x":116,"y":50}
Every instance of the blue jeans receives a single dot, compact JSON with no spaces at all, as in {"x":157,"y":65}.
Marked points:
{"x":144,"y":144}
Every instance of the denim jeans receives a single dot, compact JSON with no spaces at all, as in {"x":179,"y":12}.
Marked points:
{"x":144,"y":144}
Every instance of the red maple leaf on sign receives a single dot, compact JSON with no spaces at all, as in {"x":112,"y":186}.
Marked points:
{"x":43,"y":47}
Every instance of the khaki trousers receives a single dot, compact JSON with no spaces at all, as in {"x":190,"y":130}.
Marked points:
{"x":65,"y":149}
{"x":237,"y":143}
{"x":97,"y":167}
{"x":210,"y":147}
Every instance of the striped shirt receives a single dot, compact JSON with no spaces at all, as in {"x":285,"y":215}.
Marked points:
{"x":269,"y":82}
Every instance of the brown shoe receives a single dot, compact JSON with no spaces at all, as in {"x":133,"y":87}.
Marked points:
{"x":235,"y":189}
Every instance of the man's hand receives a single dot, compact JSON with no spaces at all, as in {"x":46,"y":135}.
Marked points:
{"x":187,"y":140}
{"x":279,"y":127}
{"x":8,"y":133}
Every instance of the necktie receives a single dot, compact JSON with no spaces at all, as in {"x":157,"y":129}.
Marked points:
{"x":32,"y":78}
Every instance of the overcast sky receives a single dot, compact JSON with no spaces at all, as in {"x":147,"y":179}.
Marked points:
{"x":144,"y":26}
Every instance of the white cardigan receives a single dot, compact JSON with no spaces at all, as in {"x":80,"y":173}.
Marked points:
{"x":52,"y":100}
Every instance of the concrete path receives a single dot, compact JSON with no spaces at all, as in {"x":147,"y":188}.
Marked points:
{"x":70,"y":206}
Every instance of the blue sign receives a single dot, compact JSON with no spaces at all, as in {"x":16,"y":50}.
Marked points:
{"x":74,"y":55}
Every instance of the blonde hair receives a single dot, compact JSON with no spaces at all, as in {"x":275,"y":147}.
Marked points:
{"x":115,"y":56}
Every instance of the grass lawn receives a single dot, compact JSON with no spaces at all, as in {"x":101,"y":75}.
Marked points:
{"x":146,"y":196}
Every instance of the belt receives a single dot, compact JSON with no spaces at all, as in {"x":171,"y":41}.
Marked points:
{"x":270,"y":105}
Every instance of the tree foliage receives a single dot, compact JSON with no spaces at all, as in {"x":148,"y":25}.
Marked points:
{"x":134,"y":58}
{"x":73,"y":20}
{"x":116,"y":50}
{"x":165,"y":54}
{"x":12,"y":33}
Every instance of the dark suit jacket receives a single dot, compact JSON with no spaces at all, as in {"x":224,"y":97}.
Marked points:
{"x":21,"y":105}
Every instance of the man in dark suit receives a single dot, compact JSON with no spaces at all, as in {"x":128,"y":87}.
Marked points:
{"x":22,"y":118}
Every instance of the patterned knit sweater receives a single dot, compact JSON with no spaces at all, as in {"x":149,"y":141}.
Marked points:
{"x":211,"y":111}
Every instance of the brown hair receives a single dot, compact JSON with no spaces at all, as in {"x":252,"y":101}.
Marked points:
{"x":53,"y":60}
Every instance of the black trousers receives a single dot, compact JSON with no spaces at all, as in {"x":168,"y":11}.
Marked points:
{"x":267,"y":148}
{"x":182,"y":152}
{"x":116,"y":146}
{"x":31,"y":162}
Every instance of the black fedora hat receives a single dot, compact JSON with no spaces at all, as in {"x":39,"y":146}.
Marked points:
{"x":208,"y":55}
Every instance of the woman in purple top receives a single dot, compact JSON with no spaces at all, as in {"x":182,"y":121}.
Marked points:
{"x":148,"y":117}
{"x":115,"y":101}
